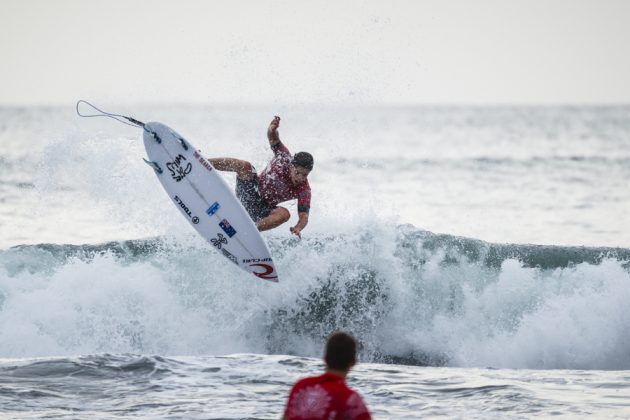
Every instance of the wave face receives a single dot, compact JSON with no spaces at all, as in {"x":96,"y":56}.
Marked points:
{"x":410,"y":296}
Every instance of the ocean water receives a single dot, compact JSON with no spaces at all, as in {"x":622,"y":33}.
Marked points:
{"x":481,"y":255}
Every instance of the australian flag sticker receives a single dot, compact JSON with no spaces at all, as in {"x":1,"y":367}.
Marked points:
{"x":213,"y":208}
{"x":227,"y":228}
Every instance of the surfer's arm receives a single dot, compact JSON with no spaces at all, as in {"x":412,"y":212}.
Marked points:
{"x":272,"y":134}
{"x":301,"y":224}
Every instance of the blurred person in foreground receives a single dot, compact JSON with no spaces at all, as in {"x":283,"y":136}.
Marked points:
{"x":327,"y":396}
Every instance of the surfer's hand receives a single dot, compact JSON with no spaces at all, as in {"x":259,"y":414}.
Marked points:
{"x":296,"y":231}
{"x":275,"y":123}
{"x":272,"y":133}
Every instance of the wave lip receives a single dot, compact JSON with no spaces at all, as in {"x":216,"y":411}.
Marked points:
{"x":424,"y":245}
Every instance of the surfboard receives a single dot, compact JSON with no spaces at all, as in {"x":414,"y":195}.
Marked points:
{"x":206,"y":200}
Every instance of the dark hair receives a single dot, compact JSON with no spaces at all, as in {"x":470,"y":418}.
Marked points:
{"x":303,"y":159}
{"x":341,"y":351}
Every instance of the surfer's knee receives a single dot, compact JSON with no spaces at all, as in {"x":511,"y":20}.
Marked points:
{"x":244,"y":170}
{"x":282,"y":214}
{"x":278,"y":216}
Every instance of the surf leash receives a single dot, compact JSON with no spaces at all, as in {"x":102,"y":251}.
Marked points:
{"x":118,"y":117}
{"x":129,"y":121}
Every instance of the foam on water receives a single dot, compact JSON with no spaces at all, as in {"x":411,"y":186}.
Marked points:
{"x":411,"y":296}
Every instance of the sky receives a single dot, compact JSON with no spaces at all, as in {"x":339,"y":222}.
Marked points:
{"x":322,"y":52}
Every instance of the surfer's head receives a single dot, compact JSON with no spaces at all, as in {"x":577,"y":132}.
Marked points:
{"x":341,"y":351}
{"x":301,"y":166}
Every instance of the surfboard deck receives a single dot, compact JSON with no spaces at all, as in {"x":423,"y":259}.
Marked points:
{"x":206,"y":200}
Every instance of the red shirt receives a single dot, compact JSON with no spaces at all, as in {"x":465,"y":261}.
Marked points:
{"x":275,"y":185}
{"x":325,"y":397}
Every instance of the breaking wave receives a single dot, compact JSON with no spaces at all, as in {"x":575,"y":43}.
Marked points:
{"x":410,"y":296}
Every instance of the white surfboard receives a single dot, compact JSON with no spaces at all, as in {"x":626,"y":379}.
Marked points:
{"x":206,"y":200}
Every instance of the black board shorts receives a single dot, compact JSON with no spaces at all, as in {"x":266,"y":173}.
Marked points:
{"x":249,"y":195}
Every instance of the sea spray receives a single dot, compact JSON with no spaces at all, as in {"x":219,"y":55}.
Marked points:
{"x":411,"y":296}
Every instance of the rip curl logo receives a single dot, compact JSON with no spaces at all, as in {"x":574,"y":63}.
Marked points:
{"x":178,"y":168}
{"x":256,"y":260}
{"x":219,"y":241}
{"x":267,"y":274}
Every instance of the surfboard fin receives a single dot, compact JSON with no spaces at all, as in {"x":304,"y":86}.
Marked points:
{"x":154,"y":165}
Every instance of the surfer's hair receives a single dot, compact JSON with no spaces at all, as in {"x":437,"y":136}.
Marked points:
{"x":303,"y":159}
{"x":341,"y":351}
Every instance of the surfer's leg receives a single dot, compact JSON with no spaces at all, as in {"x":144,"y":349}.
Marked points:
{"x":242,"y":168}
{"x":278,"y":216}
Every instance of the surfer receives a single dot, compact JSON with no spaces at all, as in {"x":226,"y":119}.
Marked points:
{"x":327,"y":396}
{"x":284,"y":178}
